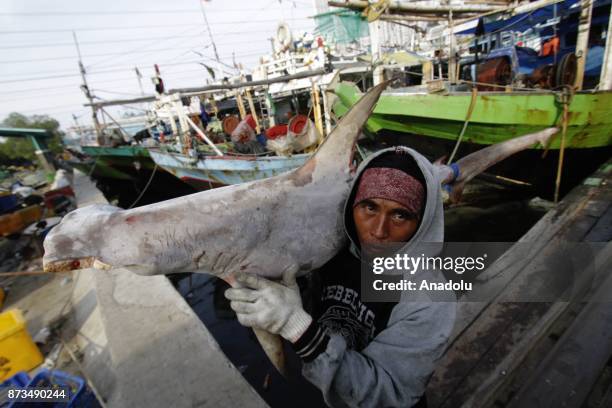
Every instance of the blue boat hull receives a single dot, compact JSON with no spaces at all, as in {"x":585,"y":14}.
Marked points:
{"x":216,"y":171}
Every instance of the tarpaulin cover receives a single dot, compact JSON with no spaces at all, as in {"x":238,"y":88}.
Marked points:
{"x":342,"y":26}
{"x":522,"y":22}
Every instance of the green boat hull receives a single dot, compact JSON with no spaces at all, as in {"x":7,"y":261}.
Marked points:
{"x":122,"y":162}
{"x":124,"y":172}
{"x":496,"y":117}
{"x":431,"y":124}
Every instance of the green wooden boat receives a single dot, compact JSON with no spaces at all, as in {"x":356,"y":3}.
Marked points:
{"x":432,"y":123}
{"x":121,"y":162}
{"x":497,"y":116}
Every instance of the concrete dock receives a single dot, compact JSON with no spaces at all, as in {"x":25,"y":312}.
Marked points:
{"x":134,"y":338}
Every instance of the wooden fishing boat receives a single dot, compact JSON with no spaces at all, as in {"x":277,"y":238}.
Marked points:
{"x":462,"y":114}
{"x":216,"y":171}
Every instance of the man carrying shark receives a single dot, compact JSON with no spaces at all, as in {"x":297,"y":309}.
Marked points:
{"x":358,"y":353}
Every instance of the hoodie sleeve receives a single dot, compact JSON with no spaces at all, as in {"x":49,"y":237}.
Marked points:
{"x":392,"y":371}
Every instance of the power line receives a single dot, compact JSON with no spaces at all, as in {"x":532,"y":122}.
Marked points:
{"x":75,"y":90}
{"x":104,"y":72}
{"x":47,"y":108}
{"x":114,"y":80}
{"x":87,"y":13}
{"x":138,"y":39}
{"x":108,"y":70}
{"x":67,"y":30}
{"x":98,"y":42}
{"x":87,"y":56}
{"x":227,"y":43}
{"x":111,"y":28}
{"x":179,"y":24}
{"x":116,"y":92}
{"x":141,"y":48}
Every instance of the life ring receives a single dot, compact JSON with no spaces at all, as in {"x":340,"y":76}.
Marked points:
{"x":284,"y":39}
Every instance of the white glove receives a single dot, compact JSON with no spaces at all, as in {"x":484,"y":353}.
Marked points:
{"x":275,"y":307}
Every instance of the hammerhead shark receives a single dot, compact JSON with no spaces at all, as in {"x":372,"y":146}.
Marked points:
{"x":288,"y":223}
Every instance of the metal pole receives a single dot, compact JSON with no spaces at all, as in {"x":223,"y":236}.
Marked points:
{"x":582,"y":42}
{"x":252,"y":110}
{"x":85,"y":88}
{"x":212,"y":40}
{"x":203,"y":136}
{"x":375,"y":46}
{"x":217,"y":87}
{"x":451,"y":52}
{"x":605,"y":80}
{"x":139,"y":76}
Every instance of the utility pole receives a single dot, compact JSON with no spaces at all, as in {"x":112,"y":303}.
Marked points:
{"x":87,"y":92}
{"x":212,"y":40}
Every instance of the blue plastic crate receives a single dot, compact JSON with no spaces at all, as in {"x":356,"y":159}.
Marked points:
{"x":80,"y":394}
{"x":21,"y":379}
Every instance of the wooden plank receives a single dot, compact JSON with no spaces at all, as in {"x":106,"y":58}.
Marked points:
{"x":490,"y":388}
{"x":480,"y":343}
{"x":602,"y":231}
{"x":565,"y":221}
{"x":568,"y":373}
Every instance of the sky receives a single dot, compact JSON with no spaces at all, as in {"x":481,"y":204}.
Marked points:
{"x":39,"y":71}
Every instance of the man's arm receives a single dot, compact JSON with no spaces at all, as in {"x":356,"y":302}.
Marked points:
{"x":392,"y":371}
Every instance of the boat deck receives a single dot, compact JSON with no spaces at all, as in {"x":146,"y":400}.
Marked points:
{"x":544,"y":354}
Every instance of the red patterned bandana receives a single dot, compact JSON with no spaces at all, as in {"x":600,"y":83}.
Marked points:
{"x":391,"y":184}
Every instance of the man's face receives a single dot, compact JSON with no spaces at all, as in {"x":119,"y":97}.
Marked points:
{"x":380,"y":222}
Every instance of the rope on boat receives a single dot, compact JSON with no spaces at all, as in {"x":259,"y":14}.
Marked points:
{"x":468,"y":116}
{"x":565,"y":98}
{"x":145,"y":188}
{"x":93,"y":167}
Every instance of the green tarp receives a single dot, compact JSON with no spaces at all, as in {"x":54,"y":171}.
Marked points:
{"x":341,"y":26}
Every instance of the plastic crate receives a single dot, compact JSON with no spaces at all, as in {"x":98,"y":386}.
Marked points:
{"x":17,"y":350}
{"x":19,"y":380}
{"x":79,"y":394}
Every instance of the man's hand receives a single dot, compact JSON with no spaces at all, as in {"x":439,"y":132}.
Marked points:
{"x":270,"y":306}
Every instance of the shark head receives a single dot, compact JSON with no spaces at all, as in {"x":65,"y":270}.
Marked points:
{"x":74,"y":242}
{"x":226,"y":230}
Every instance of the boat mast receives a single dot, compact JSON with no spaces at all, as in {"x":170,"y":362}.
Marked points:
{"x":605,"y":80}
{"x":582,"y":42}
{"x":451,"y":50}
{"x":212,"y":40}
{"x":87,"y":92}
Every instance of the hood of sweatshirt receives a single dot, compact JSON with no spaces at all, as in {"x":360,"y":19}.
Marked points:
{"x":431,"y":225}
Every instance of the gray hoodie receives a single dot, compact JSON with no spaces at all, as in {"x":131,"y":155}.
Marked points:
{"x":393,"y":369}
